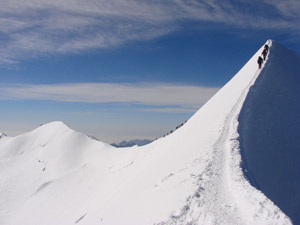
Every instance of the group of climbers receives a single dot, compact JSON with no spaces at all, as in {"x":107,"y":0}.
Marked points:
{"x":264,"y":55}
{"x":175,"y":129}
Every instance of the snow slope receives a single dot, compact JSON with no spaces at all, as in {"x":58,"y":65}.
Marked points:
{"x":54,"y":175}
{"x":270,"y":131}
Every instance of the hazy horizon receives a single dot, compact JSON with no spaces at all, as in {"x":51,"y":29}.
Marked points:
{"x":122,"y":70}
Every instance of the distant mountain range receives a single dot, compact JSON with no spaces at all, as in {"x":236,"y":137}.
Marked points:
{"x":124,"y":144}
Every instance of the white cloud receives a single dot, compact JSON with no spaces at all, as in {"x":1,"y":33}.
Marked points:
{"x":290,"y":8}
{"x":31,"y":28}
{"x":181,"y":98}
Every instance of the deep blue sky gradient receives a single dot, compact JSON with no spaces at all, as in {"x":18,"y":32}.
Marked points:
{"x":209,"y":58}
{"x":200,"y":50}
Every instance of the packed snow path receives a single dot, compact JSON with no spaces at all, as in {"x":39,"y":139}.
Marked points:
{"x":222,"y":190}
{"x":54,"y":175}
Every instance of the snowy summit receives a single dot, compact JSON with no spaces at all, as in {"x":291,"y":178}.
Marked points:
{"x":203,"y":173}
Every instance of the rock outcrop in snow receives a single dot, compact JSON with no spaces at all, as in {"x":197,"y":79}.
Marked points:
{"x":54,"y":175}
{"x":2,"y":135}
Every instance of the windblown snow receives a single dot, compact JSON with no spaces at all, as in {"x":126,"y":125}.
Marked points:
{"x":55,"y":175}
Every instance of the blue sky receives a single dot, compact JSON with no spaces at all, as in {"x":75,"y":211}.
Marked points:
{"x":125,"y":69}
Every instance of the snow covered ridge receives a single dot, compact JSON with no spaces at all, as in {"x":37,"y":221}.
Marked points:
{"x":270,"y":132}
{"x":55,"y":175}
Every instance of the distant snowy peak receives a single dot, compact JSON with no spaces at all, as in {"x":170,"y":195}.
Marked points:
{"x":53,"y":137}
{"x":56,"y":129}
{"x":52,"y":127}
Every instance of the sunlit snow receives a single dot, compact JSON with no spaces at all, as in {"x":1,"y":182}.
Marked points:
{"x":55,"y":175}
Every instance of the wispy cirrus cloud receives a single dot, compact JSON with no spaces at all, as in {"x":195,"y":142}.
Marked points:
{"x":180,"y":98}
{"x":30,"y":28}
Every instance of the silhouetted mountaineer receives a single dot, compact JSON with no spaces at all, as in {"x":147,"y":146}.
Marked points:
{"x":259,"y":61}
{"x":267,"y":47}
{"x":264,"y":53}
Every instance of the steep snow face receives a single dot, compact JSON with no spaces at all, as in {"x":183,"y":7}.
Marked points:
{"x":54,"y":175}
{"x":270,"y":131}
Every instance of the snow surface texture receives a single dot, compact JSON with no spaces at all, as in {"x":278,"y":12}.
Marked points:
{"x":270,"y":131}
{"x":54,"y":175}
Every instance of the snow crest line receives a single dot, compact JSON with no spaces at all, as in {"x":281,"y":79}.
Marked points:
{"x":216,"y":199}
{"x":222,"y":206}
{"x":212,"y":201}
{"x":268,"y":212}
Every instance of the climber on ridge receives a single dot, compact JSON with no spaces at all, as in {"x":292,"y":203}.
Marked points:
{"x":259,"y":61}
{"x":264,"y":53}
{"x":267,"y":47}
